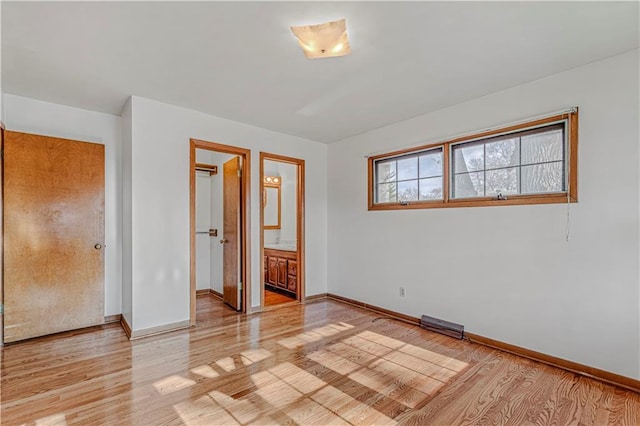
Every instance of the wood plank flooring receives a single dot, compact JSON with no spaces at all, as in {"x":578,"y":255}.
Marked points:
{"x":272,"y":298}
{"x":323,"y":363}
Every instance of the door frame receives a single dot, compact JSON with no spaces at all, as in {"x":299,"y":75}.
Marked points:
{"x":2,"y":128}
{"x":245,"y":218}
{"x":300,"y":223}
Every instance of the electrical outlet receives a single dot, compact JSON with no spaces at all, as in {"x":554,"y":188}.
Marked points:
{"x":402,"y":292}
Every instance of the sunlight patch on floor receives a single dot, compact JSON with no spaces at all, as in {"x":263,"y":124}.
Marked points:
{"x":172,"y":383}
{"x":254,"y":355}
{"x":205,"y":371}
{"x":403,"y":372}
{"x":227,"y":364}
{"x":307,"y":412}
{"x":241,"y":409}
{"x":314,"y":335}
{"x":380,"y":339}
{"x":420,"y":366}
{"x":297,"y":378}
{"x":203,"y":411}
{"x":367,"y":346}
{"x":435,"y":358}
{"x":306,"y":399}
{"x":387,"y":367}
{"x":333,"y":362}
{"x":54,"y":420}
{"x":350,"y":409}
{"x":277,"y":393}
{"x":354,"y":353}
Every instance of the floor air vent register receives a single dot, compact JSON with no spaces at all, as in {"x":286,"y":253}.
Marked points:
{"x":443,"y":327}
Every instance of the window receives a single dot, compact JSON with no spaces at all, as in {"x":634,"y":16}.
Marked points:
{"x":531,"y":163}
{"x":412,"y":177}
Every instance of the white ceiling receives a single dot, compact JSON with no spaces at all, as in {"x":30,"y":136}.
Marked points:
{"x":239,"y":60}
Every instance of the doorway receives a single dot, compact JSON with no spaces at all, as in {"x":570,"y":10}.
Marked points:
{"x":219,"y":209}
{"x":282,"y":230}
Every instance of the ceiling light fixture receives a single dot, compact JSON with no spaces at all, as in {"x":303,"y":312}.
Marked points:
{"x":323,"y":40}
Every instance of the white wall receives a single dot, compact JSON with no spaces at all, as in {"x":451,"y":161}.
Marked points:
{"x":34,"y":116}
{"x":160,"y":188}
{"x":507,"y":272}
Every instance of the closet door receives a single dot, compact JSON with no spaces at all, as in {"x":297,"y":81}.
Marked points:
{"x":54,"y":235}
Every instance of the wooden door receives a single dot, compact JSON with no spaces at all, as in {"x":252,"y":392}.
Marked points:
{"x":231,"y":254}
{"x":53,"y":235}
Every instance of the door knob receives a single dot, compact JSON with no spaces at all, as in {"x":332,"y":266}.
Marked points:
{"x":223,"y":241}
{"x":97,"y":246}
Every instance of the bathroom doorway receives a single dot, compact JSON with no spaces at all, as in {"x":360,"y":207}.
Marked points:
{"x":282,"y":230}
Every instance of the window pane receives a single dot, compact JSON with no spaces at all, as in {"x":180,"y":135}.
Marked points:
{"x":431,"y":164}
{"x":408,"y":168}
{"x":542,"y":178}
{"x":542,"y":147}
{"x":386,"y":171}
{"x":502,"y":153}
{"x":504,"y":181}
{"x":387,"y":193}
{"x":431,"y":189}
{"x":468,"y":185}
{"x":468,"y":158}
{"x":408,"y":191}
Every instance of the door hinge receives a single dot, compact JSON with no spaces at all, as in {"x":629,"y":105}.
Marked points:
{"x":239,"y":173}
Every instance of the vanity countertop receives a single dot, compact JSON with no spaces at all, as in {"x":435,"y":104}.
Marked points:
{"x":281,"y":246}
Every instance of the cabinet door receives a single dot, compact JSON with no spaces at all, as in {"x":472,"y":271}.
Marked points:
{"x":292,"y":283}
{"x":273,"y":270}
{"x":282,"y":273}
{"x":293,"y":268}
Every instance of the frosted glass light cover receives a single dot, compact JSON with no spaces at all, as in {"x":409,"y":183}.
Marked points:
{"x":323,"y":40}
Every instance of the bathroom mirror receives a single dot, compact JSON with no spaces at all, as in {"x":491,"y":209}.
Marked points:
{"x":271,"y":202}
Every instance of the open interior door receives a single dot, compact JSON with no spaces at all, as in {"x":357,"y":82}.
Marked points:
{"x":231,"y":253}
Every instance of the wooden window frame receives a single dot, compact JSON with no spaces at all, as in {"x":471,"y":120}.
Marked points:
{"x":571,"y":160}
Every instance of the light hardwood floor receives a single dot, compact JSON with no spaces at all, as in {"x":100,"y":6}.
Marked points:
{"x":272,"y":298}
{"x":321,"y":363}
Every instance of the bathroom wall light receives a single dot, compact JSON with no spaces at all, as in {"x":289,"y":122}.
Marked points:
{"x":323,"y":40}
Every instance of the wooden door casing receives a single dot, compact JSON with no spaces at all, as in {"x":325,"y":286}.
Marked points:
{"x":298,"y":274}
{"x":245,"y":220}
{"x":232,"y":194}
{"x":1,"y":235}
{"x":53,"y":235}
